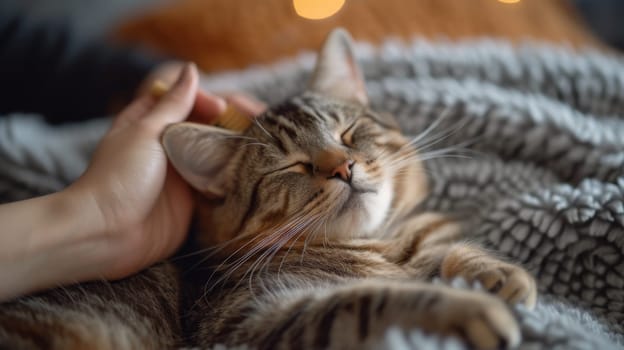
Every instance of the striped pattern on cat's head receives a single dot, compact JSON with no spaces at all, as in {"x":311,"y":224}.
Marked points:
{"x":320,"y":166}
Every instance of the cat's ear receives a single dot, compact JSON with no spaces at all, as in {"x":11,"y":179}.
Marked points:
{"x":337,"y":73}
{"x":201,"y":154}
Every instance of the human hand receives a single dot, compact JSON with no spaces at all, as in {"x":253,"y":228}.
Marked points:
{"x":137,"y":202}
{"x":144,"y":207}
{"x":128,"y":210}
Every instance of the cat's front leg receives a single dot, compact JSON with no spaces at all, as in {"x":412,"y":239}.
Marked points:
{"x":508,"y":281}
{"x":360,"y":314}
{"x":429,"y":245}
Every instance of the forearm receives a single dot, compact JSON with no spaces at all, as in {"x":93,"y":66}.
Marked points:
{"x":48,"y":241}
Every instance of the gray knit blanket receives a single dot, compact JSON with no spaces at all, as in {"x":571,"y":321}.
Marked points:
{"x":540,"y":131}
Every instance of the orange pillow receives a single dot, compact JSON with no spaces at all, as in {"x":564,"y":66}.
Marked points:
{"x":227,"y":34}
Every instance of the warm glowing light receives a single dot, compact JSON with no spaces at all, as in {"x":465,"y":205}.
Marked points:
{"x":509,"y":1}
{"x":317,"y":9}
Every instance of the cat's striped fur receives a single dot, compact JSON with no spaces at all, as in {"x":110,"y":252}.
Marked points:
{"x":140,"y":312}
{"x":318,"y":241}
{"x":313,"y":236}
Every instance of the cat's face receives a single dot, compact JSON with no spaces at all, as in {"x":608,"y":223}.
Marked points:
{"x":322,"y":165}
{"x":318,"y":157}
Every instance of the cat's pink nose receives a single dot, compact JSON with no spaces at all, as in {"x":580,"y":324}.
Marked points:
{"x":343,"y":170}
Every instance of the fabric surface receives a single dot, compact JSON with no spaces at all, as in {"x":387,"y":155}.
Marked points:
{"x":543,"y":182}
{"x":36,"y":158}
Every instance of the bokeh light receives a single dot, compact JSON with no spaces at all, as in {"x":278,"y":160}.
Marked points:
{"x":317,"y":9}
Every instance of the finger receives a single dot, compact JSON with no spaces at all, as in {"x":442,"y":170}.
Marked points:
{"x":246,"y":104}
{"x":176,"y":104}
{"x":167,"y":73}
{"x":207,"y":108}
{"x":134,"y":111}
{"x":177,"y":199}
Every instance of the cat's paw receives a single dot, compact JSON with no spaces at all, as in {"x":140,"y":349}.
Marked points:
{"x":480,"y":319}
{"x":511,"y":283}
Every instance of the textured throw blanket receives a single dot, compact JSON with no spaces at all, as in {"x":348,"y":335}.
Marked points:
{"x":540,"y":178}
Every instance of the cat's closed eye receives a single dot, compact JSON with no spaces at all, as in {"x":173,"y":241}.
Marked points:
{"x":300,"y":168}
{"x":347,"y":136}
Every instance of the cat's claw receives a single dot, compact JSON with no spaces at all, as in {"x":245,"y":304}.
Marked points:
{"x":484,"y":322}
{"x":510,"y":283}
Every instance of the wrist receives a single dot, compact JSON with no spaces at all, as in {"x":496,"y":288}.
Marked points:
{"x":78,"y":245}
{"x":82,"y":212}
{"x":87,"y":234}
{"x":58,"y":245}
{"x":105,"y":240}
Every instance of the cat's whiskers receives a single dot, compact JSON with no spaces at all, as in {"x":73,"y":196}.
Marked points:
{"x":310,"y":237}
{"x":218,"y":268}
{"x":319,"y":221}
{"x":312,"y":223}
{"x":268,"y":240}
{"x":265,"y":259}
{"x":325,"y":238}
{"x":440,"y":156}
{"x":424,"y":140}
{"x":296,"y":230}
{"x":227,"y":272}
{"x":422,"y":154}
{"x":223,"y":246}
{"x":427,"y":143}
{"x":398,"y":160}
{"x":214,"y":249}
{"x":257,"y":122}
{"x":443,"y":152}
{"x":462,"y":145}
{"x":256,"y":144}
{"x":262,"y":243}
{"x":315,"y":232}
{"x":254,"y":141}
{"x":430,"y":128}
{"x":279,"y":269}
{"x":260,"y":262}
{"x":316,"y":223}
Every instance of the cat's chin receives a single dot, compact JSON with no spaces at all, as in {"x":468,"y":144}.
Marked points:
{"x":362,"y":211}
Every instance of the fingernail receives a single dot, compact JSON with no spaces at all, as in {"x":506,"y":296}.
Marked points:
{"x":185,"y":74}
{"x":220,"y":102}
{"x":208,"y":106}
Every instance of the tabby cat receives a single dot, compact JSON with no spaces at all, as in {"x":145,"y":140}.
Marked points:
{"x":312,"y":238}
{"x":319,"y":240}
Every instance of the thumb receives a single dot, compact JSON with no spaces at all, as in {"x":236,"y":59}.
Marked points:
{"x":177,"y":103}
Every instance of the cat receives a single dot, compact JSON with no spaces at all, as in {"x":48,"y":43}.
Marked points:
{"x":311,"y":237}
{"x":317,"y":235}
